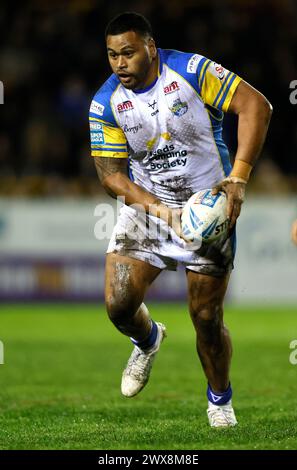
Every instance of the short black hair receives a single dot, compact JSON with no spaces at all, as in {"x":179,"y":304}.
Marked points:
{"x":129,"y":21}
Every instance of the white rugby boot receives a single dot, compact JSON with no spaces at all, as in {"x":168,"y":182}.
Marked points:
{"x":221,"y":416}
{"x":137,"y":371}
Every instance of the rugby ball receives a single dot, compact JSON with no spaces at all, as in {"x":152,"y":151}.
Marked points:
{"x":204,"y":217}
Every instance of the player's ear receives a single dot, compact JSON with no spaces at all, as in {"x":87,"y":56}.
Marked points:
{"x":152,"y":48}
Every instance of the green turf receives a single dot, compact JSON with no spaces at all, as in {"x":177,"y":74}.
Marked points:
{"x":59,"y":386}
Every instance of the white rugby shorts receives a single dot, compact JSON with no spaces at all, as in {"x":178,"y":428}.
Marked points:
{"x":149,"y":239}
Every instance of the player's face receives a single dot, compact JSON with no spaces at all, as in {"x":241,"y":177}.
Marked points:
{"x":132,"y":59}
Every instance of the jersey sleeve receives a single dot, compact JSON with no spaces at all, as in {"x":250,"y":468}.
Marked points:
{"x":107,"y":138}
{"x":217,"y":85}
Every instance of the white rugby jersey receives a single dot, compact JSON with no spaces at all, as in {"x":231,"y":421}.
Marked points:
{"x":171,"y":131}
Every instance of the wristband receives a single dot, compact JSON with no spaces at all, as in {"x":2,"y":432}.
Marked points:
{"x":241,"y":170}
{"x":234,"y":179}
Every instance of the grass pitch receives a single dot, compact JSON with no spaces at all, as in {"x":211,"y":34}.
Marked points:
{"x":60,"y":384}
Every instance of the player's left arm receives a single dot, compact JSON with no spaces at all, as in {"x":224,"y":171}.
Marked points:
{"x":254,"y":113}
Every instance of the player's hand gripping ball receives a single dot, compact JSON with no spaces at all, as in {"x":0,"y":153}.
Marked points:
{"x":204,"y":217}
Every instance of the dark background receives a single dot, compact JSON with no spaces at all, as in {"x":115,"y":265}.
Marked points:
{"x":52,"y":61}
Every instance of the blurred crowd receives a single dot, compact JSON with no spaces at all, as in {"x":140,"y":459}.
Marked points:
{"x":53,"y":59}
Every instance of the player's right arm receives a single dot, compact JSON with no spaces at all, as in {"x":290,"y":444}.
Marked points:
{"x":109,"y":149}
{"x":112,"y":173}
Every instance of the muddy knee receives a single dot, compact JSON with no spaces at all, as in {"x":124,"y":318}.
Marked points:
{"x":120,"y":310}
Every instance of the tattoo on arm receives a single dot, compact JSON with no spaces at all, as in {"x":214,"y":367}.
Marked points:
{"x":107,"y":166}
{"x":121,"y":185}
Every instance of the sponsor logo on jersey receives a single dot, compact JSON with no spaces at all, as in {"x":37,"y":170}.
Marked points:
{"x":133,"y":129}
{"x":164,"y":154}
{"x":167,"y":164}
{"x":95,"y":126}
{"x":97,"y":108}
{"x":97,"y":138}
{"x":179,"y":108}
{"x":220,"y":71}
{"x":173,"y":86}
{"x":193,"y":63}
{"x":125,"y":106}
{"x":153,"y":105}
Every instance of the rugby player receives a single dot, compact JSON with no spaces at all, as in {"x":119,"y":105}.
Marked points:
{"x":156,"y":138}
